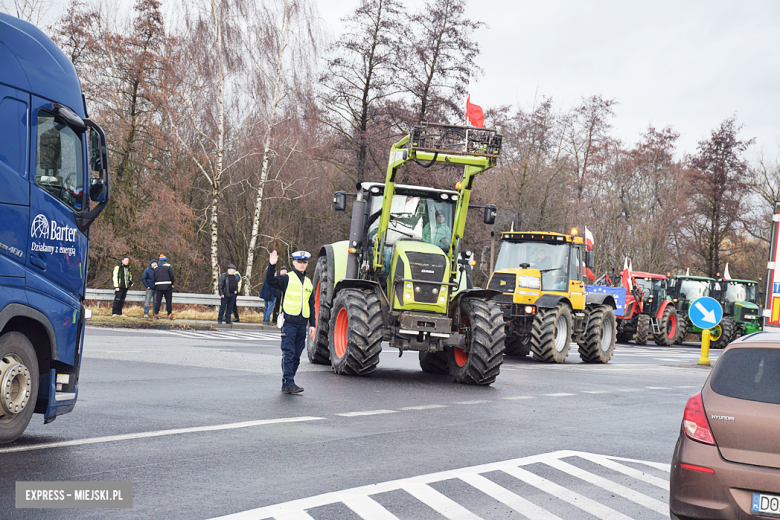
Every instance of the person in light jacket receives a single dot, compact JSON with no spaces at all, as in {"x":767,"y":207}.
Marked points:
{"x":123,"y":280}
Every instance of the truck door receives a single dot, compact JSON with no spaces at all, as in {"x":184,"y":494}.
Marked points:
{"x":15,"y":188}
{"x":57,"y":249}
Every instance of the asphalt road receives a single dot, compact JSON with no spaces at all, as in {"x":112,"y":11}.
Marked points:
{"x":196,"y":421}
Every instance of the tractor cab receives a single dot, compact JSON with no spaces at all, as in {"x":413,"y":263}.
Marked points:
{"x":685,"y":289}
{"x":652,"y":289}
{"x":739,"y":300}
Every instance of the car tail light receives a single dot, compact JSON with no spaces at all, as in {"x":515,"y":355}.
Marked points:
{"x":695,"y":421}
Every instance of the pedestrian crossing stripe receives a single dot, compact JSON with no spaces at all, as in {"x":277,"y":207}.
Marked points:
{"x":360,"y":500}
{"x":240,"y":335}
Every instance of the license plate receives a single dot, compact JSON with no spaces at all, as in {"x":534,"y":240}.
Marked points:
{"x":751,"y":317}
{"x":767,"y":505}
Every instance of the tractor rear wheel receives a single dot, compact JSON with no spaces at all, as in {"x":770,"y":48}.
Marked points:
{"x":642,"y":329}
{"x":727,"y":330}
{"x":355,"y":332}
{"x":517,"y":345}
{"x":317,"y":348}
{"x":19,"y":380}
{"x":668,"y":325}
{"x":598,"y":342}
{"x":682,"y":330}
{"x":434,"y":362}
{"x":551,"y":334}
{"x":485,"y":337}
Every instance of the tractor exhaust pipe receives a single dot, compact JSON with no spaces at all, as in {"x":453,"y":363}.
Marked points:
{"x":356,"y":232}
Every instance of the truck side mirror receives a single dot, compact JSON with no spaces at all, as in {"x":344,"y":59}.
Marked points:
{"x":340,"y":201}
{"x":590,"y":261}
{"x":96,"y":190}
{"x":490,"y":214}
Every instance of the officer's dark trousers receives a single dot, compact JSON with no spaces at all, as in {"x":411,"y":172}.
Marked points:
{"x":119,"y":301}
{"x":226,"y":305}
{"x":168,"y":293}
{"x":293,"y":341}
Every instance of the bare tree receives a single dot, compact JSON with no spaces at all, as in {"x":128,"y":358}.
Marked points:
{"x":33,"y":11}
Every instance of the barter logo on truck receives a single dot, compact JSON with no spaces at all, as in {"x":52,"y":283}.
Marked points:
{"x":43,"y":228}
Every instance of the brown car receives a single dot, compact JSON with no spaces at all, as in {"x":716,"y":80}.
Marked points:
{"x":727,"y":460}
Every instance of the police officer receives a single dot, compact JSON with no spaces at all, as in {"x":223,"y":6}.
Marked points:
{"x":298,"y":308}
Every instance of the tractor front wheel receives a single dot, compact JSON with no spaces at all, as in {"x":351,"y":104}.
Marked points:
{"x":434,"y":362}
{"x":598,"y":342}
{"x":642,"y":329}
{"x":551,"y":334}
{"x":668,"y":325}
{"x":355,"y":332}
{"x":484,"y":323}
{"x":682,"y":330}
{"x":517,"y":345}
{"x":317,"y":348}
{"x":727,"y":330}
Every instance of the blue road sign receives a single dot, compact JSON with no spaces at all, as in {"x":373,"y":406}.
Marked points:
{"x":705,"y":312}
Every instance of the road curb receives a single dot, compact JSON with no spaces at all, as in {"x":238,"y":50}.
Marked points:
{"x":164,"y":324}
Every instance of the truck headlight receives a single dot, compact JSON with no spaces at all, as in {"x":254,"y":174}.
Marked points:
{"x":529,"y":282}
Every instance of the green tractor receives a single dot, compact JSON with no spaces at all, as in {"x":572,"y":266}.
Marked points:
{"x":684,"y":290}
{"x":403,"y":276}
{"x":741,"y":311}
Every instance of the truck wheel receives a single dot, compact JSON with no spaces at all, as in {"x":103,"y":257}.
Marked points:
{"x":317,"y":348}
{"x":19,"y":380}
{"x":355,"y":332}
{"x":599,"y":339}
{"x":682,"y":330}
{"x":517,"y":345}
{"x":485,"y":336}
{"x":551,"y":334}
{"x":668,"y":326}
{"x":727,"y":329}
{"x":642,"y":329}
{"x":434,"y":362}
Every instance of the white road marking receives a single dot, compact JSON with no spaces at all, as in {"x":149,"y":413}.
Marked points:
{"x":658,"y":388}
{"x":471,"y":402}
{"x":358,"y":499}
{"x":239,"y":335}
{"x":594,"y":392}
{"x":159,"y":433}
{"x":561,"y":394}
{"x":367,"y":412}
{"x":424,"y":407}
{"x":628,"y":389}
{"x":519,"y":397}
{"x":687,"y":386}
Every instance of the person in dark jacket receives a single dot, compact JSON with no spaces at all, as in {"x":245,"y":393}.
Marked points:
{"x":298,"y":308}
{"x":163,"y":285}
{"x":148,"y":280}
{"x":228,"y":292}
{"x":123,"y":280}
{"x":241,"y":280}
{"x":269,"y":295}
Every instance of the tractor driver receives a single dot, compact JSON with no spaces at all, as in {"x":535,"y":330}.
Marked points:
{"x":298,"y":307}
{"x":542,"y":260}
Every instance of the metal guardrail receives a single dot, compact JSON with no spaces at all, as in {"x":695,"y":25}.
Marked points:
{"x":212,"y":300}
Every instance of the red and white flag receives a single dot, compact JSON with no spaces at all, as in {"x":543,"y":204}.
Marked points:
{"x":474,"y":114}
{"x":588,"y":240}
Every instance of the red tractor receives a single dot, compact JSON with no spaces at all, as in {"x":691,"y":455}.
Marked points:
{"x":648,"y":310}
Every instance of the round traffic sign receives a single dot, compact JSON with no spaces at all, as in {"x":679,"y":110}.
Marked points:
{"x":705,"y":312}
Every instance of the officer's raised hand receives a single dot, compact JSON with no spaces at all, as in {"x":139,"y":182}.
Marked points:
{"x":273,"y":258}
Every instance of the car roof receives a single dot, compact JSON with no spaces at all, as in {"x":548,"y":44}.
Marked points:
{"x":770,"y":339}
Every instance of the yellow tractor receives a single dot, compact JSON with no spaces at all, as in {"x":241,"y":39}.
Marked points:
{"x":545,"y":301}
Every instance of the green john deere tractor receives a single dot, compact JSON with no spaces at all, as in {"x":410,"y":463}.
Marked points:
{"x":741,"y":311}
{"x":403,"y":276}
{"x":684,"y":290}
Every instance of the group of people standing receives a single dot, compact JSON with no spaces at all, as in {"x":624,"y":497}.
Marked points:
{"x":158,"y":280}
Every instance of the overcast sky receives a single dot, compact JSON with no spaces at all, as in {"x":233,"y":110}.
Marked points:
{"x":685,"y":64}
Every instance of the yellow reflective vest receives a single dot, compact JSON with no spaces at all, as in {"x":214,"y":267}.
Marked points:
{"x":296,"y":297}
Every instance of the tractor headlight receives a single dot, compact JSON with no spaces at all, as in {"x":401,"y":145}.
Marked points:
{"x":529,"y":282}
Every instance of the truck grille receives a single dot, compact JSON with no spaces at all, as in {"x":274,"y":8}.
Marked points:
{"x":429,"y":268}
{"x":509,"y":282}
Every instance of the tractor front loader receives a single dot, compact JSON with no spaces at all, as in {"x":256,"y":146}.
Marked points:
{"x":403,"y":276}
{"x":545,"y":301}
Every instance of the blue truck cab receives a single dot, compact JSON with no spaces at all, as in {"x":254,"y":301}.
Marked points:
{"x":53,"y":184}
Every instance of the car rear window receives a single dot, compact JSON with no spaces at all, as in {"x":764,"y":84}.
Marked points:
{"x":752,"y":374}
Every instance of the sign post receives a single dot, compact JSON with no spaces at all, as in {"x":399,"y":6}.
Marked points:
{"x":706,"y":314}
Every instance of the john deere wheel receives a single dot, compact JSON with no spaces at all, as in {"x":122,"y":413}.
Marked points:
{"x":18,"y":385}
{"x":517,"y":345}
{"x":642,"y":329}
{"x":434,"y":362}
{"x":682,"y":330}
{"x":720,"y":336}
{"x":355,"y":332}
{"x":485,"y":337}
{"x":551,"y":334}
{"x":599,"y":339}
{"x":317,"y":348}
{"x":668,"y":325}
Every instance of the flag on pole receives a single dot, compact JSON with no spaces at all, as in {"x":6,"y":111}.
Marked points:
{"x":726,"y":275}
{"x":474,"y":114}
{"x":588,"y":239}
{"x":625,"y":276}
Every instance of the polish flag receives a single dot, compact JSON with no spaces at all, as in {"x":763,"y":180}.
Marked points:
{"x":726,"y":275}
{"x":625,"y":276}
{"x":474,"y":114}
{"x":588,"y":240}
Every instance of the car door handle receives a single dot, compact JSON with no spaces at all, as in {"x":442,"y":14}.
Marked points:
{"x":38,"y":262}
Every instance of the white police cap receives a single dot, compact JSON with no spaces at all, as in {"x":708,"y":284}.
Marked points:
{"x":301,"y":256}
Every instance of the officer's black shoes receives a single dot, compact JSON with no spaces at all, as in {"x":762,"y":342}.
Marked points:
{"x":292,"y":389}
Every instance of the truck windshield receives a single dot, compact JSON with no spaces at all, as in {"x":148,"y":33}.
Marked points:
{"x":740,"y":292}
{"x":693,"y":289}
{"x":419,"y":215}
{"x":551,"y":259}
